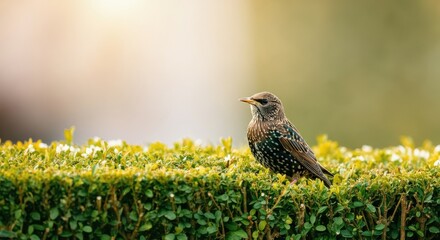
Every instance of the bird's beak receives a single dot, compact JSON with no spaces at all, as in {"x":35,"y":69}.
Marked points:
{"x":248,"y":100}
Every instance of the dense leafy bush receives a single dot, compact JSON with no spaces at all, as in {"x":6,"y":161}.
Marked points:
{"x":112,"y":190}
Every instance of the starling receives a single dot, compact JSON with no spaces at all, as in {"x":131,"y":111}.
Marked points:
{"x":276,"y":143}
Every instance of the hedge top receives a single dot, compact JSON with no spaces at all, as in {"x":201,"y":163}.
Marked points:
{"x":188,"y":160}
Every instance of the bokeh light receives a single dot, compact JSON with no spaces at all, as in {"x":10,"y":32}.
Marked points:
{"x":143,"y":71}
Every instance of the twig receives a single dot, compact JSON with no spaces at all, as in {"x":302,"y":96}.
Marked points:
{"x":220,"y":209}
{"x":403,"y":217}
{"x":248,"y":229}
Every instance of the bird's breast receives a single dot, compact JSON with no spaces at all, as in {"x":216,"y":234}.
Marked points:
{"x":265,"y":145}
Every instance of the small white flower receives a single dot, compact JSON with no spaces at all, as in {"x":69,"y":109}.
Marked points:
{"x":58,"y":149}
{"x":115,"y":143}
{"x":61,"y":148}
{"x":96,"y":139}
{"x":360,"y":158}
{"x":402,"y":149}
{"x":171,"y":195}
{"x":394,"y":157}
{"x":198,"y":142}
{"x":65,"y":148}
{"x":437,"y":163}
{"x":262,"y":194}
{"x":73,"y":149}
{"x":91,"y":150}
{"x":367,"y":148}
{"x":42,"y":145}
{"x":348,"y":154}
{"x":342,"y":169}
{"x":437,"y":148}
{"x":228,"y":158}
{"x":421,"y":153}
{"x":30,"y":149}
{"x":116,"y":151}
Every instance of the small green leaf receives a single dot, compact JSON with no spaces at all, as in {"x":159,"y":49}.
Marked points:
{"x":339,"y":208}
{"x":125,"y":191}
{"x":350,"y":216}
{"x":212,"y":229}
{"x":105,"y":237}
{"x":73,"y":224}
{"x":54,"y":212}
{"x":434,"y":229}
{"x":322,"y":209}
{"x":66,"y":234}
{"x":170,"y":236}
{"x":34,"y":237}
{"x":133,"y":216}
{"x":87,"y":229}
{"x":367,"y":233}
{"x":338,"y":221}
{"x":209,"y":215}
{"x":148,"y":206}
{"x":307,"y":225}
{"x":240,"y":233}
{"x":30,"y":229}
{"x":35,"y":216}
{"x":170,"y":215}
{"x":149,"y":193}
{"x":428,"y":198}
{"x":379,"y":227}
{"x":145,"y":227}
{"x":262,"y":225}
{"x":218,"y":215}
{"x":38,"y":227}
{"x":201,"y":222}
{"x":288,"y":220}
{"x":312,"y":219}
{"x":320,"y":228}
{"x":346,"y":234}
{"x":181,"y":237}
{"x":7,"y":234}
{"x":17,"y":214}
{"x":371,"y":208}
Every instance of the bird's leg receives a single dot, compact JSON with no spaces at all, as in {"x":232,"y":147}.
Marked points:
{"x":295,"y":178}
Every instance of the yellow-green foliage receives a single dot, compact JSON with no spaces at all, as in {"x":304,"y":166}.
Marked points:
{"x":113,"y":190}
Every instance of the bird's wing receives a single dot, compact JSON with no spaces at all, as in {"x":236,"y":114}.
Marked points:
{"x":295,"y":145}
{"x":302,"y":154}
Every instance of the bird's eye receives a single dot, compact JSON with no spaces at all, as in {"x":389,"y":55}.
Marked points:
{"x":262,"y":101}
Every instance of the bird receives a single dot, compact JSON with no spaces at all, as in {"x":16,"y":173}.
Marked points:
{"x":277,"y":144}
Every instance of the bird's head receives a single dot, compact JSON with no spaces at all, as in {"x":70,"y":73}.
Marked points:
{"x":265,"y":106}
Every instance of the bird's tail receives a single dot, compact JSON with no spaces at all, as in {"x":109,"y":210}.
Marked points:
{"x":327,"y":182}
{"x":325,"y":171}
{"x":324,"y":178}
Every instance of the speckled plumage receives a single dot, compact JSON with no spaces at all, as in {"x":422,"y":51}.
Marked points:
{"x":276,"y":143}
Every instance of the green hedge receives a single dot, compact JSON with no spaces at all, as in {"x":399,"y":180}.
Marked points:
{"x":112,"y":190}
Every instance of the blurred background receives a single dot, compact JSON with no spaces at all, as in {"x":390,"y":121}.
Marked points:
{"x":363,"y":72}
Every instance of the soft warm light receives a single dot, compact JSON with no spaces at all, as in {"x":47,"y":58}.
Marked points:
{"x":115,"y":8}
